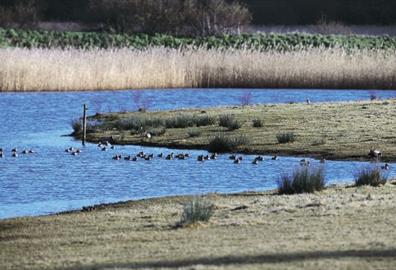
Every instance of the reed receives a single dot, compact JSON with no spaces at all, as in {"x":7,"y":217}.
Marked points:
{"x":158,"y":67}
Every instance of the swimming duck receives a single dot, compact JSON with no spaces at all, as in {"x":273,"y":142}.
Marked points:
{"x":25,"y":152}
{"x":74,"y":153}
{"x":322,"y":160}
{"x":237,"y":161}
{"x":127,"y":158}
{"x":14,"y":150}
{"x":169,"y":157}
{"x":233,"y":157}
{"x":305,"y":162}
{"x":213,"y":156}
{"x":1,"y":154}
{"x":14,"y":154}
{"x":160,"y":155}
{"x":275,"y":157}
{"x":200,"y":158}
{"x":240,"y":158}
{"x":255,"y":161}
{"x":117,"y":157}
{"x":31,"y":151}
{"x":104,"y":148}
{"x":386,"y":167}
{"x":259,"y":158}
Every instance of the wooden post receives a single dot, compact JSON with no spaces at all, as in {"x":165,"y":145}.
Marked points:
{"x":85,"y":109}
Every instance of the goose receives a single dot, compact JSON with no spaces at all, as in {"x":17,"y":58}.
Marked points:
{"x":233,"y":157}
{"x":275,"y":157}
{"x":213,"y":156}
{"x":305,"y":162}
{"x":374,"y":153}
{"x":386,"y":167}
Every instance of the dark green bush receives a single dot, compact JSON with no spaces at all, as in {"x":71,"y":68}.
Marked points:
{"x":196,"y":210}
{"x":157,"y":131}
{"x":228,"y":121}
{"x":194,"y":132}
{"x":224,"y":143}
{"x":370,"y":176}
{"x":258,"y":123}
{"x":180,"y":121}
{"x":286,"y":137}
{"x":303,"y":180}
{"x":204,"y":120}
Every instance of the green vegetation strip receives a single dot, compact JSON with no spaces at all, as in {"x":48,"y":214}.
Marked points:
{"x":89,"y":40}
{"x":331,"y":130}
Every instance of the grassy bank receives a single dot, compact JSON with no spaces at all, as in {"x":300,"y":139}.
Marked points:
{"x":338,"y":228}
{"x":66,"y":70}
{"x":91,"y":40}
{"x":330,"y":130}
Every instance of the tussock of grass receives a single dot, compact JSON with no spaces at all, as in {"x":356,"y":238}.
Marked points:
{"x":222,"y":143}
{"x":286,"y":137}
{"x":370,"y":176}
{"x":196,"y":210}
{"x":228,"y":121}
{"x":194,"y":132}
{"x":258,"y":123}
{"x":60,"y":70}
{"x":303,"y":180}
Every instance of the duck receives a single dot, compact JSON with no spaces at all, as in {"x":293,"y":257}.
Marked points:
{"x":112,"y":147}
{"x":169,"y":157}
{"x":160,"y":155}
{"x":237,"y":161}
{"x":14,"y":154}
{"x":374,"y":153}
{"x":180,"y":156}
{"x":104,"y":148}
{"x":385,"y":167}
{"x":25,"y":152}
{"x":275,"y":157}
{"x":259,"y":158}
{"x":148,"y":158}
{"x":322,"y":160}
{"x":255,"y":161}
{"x":1,"y":154}
{"x":308,"y":101}
{"x":240,"y":158}
{"x":127,"y":158}
{"x":186,"y":155}
{"x":206,"y":157}
{"x":134,"y":159}
{"x":213,"y":156}
{"x":200,"y":158}
{"x":14,"y":150}
{"x":31,"y":151}
{"x":305,"y":162}
{"x":233,"y":157}
{"x":69,"y":150}
{"x":117,"y":157}
{"x":74,"y":153}
{"x":78,"y":151}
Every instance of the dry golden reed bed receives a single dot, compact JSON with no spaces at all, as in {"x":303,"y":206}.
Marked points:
{"x":65,"y":70}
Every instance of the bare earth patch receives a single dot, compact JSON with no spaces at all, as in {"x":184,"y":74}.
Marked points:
{"x":338,"y":228}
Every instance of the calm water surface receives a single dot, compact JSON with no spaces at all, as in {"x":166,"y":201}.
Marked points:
{"x":52,"y":180}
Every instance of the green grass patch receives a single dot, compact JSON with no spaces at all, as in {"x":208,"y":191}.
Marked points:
{"x":303,"y":180}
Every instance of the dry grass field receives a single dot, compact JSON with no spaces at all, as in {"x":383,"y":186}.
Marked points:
{"x":338,"y":228}
{"x":332,"y":130}
{"x":67,"y":70}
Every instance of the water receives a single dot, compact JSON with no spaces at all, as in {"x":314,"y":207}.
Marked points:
{"x":51,"y":180}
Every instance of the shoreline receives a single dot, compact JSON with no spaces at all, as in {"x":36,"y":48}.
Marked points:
{"x":143,"y":234}
{"x":359,"y":122}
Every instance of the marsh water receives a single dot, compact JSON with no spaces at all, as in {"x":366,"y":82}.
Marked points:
{"x":51,"y":180}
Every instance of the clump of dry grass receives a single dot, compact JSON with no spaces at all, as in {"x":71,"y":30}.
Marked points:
{"x":64,"y":70}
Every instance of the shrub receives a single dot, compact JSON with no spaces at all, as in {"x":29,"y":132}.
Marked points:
{"x":204,"y":120}
{"x":222,"y":143}
{"x":194,"y":132}
{"x":139,"y":123}
{"x":228,"y":121}
{"x":196,"y":210}
{"x":77,"y":126}
{"x":286,"y":137}
{"x":370,"y":176}
{"x":181,"y":121}
{"x":157,"y":131}
{"x":257,"y":123}
{"x":303,"y":180}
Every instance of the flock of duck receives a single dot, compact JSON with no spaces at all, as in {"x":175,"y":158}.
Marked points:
{"x":373,"y":154}
{"x":14,"y":152}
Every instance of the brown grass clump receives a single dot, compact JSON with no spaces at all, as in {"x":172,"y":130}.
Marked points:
{"x":66,"y":70}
